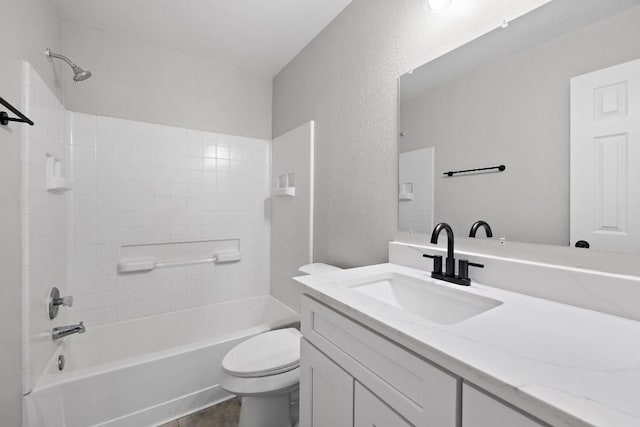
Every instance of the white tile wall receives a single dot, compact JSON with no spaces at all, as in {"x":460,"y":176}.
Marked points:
{"x":137,"y":182}
{"x":43,"y":224}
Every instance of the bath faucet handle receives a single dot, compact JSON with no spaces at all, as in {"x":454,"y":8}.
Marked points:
{"x":437,"y":262}
{"x":64,"y":301}
{"x":55,"y":301}
{"x":463,"y":268}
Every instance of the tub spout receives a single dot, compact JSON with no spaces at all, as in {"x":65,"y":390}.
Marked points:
{"x":63,"y":331}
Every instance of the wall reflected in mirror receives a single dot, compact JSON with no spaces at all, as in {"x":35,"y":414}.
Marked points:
{"x":555,"y":97}
{"x":416,"y":193}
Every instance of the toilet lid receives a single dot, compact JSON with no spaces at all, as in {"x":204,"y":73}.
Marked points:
{"x":266,"y":354}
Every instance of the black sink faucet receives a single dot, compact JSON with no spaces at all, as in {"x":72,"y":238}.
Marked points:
{"x":476,"y":225}
{"x":450,"y":271}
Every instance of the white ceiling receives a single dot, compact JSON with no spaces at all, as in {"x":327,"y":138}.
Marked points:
{"x":255,"y":35}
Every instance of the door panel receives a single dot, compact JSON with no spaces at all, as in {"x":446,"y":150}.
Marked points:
{"x":605,"y":158}
{"x":370,"y":411}
{"x":326,"y":391}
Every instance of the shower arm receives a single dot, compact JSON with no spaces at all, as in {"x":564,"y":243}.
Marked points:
{"x":79,"y":74}
{"x":64,"y":58}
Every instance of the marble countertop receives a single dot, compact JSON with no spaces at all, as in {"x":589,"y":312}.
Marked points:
{"x":567,"y":366}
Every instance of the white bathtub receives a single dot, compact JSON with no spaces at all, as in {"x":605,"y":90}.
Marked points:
{"x":147,"y":371}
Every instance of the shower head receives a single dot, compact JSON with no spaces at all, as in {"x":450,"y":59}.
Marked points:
{"x":79,"y":74}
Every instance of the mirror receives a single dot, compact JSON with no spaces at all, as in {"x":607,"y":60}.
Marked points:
{"x":554,"y":98}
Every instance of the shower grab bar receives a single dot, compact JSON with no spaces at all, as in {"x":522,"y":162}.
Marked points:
{"x":150,"y":264}
{"x":5,"y":119}
{"x":184,"y":263}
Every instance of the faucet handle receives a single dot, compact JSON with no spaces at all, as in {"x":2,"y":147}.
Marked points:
{"x":55,"y":301}
{"x":463,"y":268}
{"x":64,"y":301}
{"x":437,"y":262}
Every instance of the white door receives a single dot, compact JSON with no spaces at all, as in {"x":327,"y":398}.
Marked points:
{"x":605,"y":158}
{"x":326,"y":390}
{"x":370,"y":411}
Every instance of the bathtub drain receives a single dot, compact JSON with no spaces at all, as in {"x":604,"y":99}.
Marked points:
{"x":60,"y":362}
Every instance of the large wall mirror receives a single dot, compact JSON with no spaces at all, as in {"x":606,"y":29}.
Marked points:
{"x":554,"y":97}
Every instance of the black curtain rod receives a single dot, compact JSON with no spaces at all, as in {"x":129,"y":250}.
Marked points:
{"x":5,"y":119}
{"x":500,"y":168}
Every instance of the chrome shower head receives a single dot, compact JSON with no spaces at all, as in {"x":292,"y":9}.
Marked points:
{"x":79,"y":74}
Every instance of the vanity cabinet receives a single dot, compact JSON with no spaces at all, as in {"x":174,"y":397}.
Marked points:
{"x":329,"y":396}
{"x":389,"y":381}
{"x":482,"y":410}
{"x":352,"y":376}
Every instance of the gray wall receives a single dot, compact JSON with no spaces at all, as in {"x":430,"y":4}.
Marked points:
{"x":515,"y":111}
{"x":138,"y":81}
{"x":346,"y":80}
{"x":27,"y":27}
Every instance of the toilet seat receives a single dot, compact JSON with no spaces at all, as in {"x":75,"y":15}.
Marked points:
{"x":271,"y":353}
{"x":269,"y":386}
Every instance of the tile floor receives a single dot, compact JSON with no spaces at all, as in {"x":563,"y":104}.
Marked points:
{"x":225,"y":414}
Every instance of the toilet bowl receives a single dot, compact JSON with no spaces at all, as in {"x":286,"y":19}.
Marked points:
{"x":264,"y":371}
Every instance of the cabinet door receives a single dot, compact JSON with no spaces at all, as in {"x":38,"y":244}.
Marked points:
{"x":326,"y":391}
{"x":481,"y":410}
{"x":370,"y":411}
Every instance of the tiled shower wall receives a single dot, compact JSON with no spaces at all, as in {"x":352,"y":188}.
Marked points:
{"x":132,"y":183}
{"x":137,"y":182}
{"x":43,"y":224}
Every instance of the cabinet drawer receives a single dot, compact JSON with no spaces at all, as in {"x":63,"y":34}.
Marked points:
{"x":423,"y":393}
{"x":482,"y":410}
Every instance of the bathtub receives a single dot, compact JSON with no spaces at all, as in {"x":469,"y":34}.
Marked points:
{"x":147,"y":371}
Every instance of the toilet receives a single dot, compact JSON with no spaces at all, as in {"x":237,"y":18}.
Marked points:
{"x":265,"y":372}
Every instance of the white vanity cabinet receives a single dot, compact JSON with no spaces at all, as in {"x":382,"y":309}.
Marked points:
{"x":352,"y":376}
{"x":329,"y":396}
{"x":389,"y":382}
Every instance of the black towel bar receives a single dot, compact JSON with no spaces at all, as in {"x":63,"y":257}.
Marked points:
{"x":500,"y":168}
{"x":5,"y":119}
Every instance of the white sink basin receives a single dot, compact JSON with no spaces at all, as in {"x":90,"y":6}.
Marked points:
{"x":432,"y":301}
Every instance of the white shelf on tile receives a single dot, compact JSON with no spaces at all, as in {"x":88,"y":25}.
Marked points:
{"x":284,"y":191}
{"x":286,"y":185}
{"x":56,"y":183}
{"x":406,"y":191}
